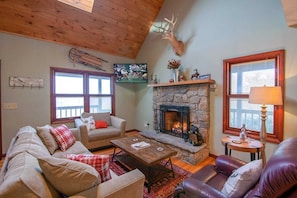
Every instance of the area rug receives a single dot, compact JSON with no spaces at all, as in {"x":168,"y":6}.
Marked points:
{"x":164,"y":188}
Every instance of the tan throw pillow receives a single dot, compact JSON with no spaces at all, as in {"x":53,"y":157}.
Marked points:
{"x":48,"y":140}
{"x":67,"y":176}
{"x":242,"y":179}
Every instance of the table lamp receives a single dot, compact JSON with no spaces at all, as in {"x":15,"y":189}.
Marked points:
{"x":265,"y":95}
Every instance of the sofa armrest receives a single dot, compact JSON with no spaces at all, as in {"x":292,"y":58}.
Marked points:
{"x":82,"y":131}
{"x":119,"y":123}
{"x":127,"y":185}
{"x":75,"y":133}
{"x":195,"y":188}
{"x":227,"y":164}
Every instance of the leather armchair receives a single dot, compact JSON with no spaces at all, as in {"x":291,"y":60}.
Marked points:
{"x":278,"y":178}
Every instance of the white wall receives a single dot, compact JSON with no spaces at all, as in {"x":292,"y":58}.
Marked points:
{"x":213,"y":31}
{"x":33,"y":58}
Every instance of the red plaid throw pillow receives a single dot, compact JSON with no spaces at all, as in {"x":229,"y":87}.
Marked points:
{"x":63,"y":137}
{"x":99,"y":162}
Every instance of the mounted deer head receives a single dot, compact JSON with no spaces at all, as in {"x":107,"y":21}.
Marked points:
{"x":166,"y":28}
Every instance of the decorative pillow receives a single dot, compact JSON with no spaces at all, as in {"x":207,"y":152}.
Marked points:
{"x":67,"y":176}
{"x":98,"y":116}
{"x":242,"y":179}
{"x":90,"y":122}
{"x":47,"y":138}
{"x":63,"y":137}
{"x":99,"y":162}
{"x":100,"y":124}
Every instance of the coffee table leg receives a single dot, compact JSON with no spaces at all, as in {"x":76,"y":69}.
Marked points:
{"x":149,"y":180}
{"x":114,"y":151}
{"x":171,"y":167}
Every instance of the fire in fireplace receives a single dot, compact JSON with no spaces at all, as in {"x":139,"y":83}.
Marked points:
{"x":174,"y":120}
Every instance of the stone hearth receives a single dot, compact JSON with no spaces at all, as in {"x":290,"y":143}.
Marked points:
{"x":196,"y":97}
{"x":185,"y":151}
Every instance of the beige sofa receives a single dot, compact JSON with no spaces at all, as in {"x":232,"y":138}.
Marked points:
{"x":100,"y":137}
{"x":22,"y":175}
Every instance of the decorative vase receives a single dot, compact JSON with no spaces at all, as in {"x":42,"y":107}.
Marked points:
{"x":175,"y":75}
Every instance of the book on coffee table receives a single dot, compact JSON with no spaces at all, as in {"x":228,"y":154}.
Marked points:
{"x":140,"y":145}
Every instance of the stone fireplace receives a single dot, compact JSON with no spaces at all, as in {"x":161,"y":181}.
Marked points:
{"x":183,"y":104}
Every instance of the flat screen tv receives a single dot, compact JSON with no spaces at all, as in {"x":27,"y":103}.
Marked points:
{"x":131,"y":72}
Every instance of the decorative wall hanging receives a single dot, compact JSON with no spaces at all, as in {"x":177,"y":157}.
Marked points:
{"x":166,"y":28}
{"x":25,"y":82}
{"x":78,"y":56}
{"x":131,"y":72}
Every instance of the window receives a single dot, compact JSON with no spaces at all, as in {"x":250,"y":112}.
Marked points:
{"x":74,"y":92}
{"x":252,"y":71}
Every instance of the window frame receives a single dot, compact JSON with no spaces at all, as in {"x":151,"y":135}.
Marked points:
{"x":278,"y":56}
{"x":85,"y":95}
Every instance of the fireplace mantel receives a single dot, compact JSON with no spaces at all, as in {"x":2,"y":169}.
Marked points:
{"x":187,"y":82}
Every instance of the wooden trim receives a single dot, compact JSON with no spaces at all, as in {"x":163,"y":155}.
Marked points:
{"x":188,"y":82}
{"x":0,"y":115}
{"x":86,"y":75}
{"x":132,"y":130}
{"x":278,"y":56}
{"x":213,"y":155}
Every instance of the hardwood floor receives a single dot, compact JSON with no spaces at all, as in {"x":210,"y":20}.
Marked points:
{"x":189,"y":167}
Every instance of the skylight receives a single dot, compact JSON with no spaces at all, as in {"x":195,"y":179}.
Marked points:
{"x":86,"y":5}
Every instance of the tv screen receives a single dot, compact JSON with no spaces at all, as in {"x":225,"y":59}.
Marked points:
{"x":131,"y":72}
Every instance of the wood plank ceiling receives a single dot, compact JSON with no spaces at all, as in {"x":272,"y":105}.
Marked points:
{"x":116,"y":27}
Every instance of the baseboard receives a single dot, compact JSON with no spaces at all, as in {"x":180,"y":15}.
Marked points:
{"x":213,"y":156}
{"x":132,"y":130}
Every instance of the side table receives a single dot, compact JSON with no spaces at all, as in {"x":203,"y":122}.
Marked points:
{"x":251,"y":146}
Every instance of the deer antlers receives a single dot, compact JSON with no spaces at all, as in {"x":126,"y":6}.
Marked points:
{"x":167,"y":33}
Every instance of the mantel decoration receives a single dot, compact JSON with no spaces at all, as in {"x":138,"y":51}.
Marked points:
{"x":174,"y":66}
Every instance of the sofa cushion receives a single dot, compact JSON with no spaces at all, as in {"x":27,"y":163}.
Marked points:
{"x":104,"y":133}
{"x":19,"y":182}
{"x":28,"y":141}
{"x":77,"y":148}
{"x":242,"y":179}
{"x":99,"y":124}
{"x":67,"y":176}
{"x":99,"y":162}
{"x":47,"y":138}
{"x":63,"y":137}
{"x":98,"y":116}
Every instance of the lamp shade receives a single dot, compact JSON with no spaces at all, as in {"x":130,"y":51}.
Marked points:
{"x":266,"y":95}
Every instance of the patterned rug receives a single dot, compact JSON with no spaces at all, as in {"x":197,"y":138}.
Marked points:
{"x":164,"y":188}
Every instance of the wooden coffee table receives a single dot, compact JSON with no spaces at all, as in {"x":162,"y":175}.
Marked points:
{"x":147,"y":160}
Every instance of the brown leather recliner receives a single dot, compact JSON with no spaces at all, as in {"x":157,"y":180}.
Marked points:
{"x":278,"y":178}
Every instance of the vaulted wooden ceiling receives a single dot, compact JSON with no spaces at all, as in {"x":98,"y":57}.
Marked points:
{"x":116,"y":27}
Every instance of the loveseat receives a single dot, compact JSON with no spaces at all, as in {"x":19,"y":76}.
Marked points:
{"x":277,"y":179}
{"x":24,"y":172}
{"x":100,"y":136}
